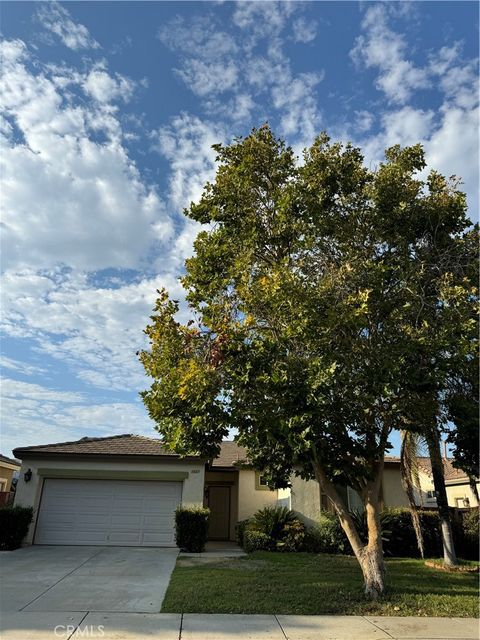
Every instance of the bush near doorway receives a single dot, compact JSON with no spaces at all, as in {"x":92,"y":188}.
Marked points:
{"x":14,"y":523}
{"x":191,"y":528}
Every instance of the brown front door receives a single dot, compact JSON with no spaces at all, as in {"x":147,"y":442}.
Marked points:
{"x":219,"y":505}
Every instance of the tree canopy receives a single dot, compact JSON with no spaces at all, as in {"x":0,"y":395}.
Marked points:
{"x":330,"y":305}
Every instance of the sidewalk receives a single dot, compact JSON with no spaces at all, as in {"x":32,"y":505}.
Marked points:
{"x":170,"y":626}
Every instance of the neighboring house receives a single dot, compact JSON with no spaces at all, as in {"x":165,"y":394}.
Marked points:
{"x":9,"y":468}
{"x":459,"y":491}
{"x":122,"y":490}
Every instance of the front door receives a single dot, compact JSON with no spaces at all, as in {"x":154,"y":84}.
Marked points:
{"x":219,"y":505}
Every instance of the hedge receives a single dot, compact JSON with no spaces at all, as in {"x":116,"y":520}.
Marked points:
{"x":14,"y":523}
{"x":191,"y":528}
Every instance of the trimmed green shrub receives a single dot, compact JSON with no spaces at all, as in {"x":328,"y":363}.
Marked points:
{"x":191,"y":528}
{"x":327,"y":536}
{"x":256,"y":541}
{"x":292,"y":537}
{"x":14,"y":523}
{"x":240,"y":529}
{"x":469,"y":546}
{"x":271,"y":521}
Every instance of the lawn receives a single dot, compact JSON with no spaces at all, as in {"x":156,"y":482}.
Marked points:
{"x":304,"y":583}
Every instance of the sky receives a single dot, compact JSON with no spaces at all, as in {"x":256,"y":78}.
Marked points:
{"x":109,"y":111}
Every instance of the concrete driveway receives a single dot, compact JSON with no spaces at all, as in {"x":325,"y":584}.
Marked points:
{"x":81,"y":579}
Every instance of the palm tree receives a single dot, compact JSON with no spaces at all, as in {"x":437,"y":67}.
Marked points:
{"x":410,"y":479}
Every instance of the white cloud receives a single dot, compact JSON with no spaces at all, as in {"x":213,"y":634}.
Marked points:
{"x":105,"y":88}
{"x":84,"y":203}
{"x":304,"y":30}
{"x":233,"y":78}
{"x":386,"y":50}
{"x":95,"y":330}
{"x":39,"y":415}
{"x":56,"y":19}
{"x":24,"y":368}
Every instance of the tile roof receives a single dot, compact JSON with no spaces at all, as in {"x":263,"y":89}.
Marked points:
{"x":10,"y":460}
{"x":125,"y":444}
{"x":230,"y":455}
{"x":450,"y":472}
{"x":128,"y":445}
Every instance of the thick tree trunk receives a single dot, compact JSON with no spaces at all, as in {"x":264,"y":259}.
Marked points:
{"x":433,"y":443}
{"x":370,"y":555}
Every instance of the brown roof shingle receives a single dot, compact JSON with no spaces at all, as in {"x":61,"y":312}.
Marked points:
{"x":125,"y":445}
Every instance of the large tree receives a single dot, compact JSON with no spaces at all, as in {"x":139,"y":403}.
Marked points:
{"x":307,"y":311}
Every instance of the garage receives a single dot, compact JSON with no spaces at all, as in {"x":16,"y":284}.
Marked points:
{"x":107,"y":512}
{"x":118,"y":490}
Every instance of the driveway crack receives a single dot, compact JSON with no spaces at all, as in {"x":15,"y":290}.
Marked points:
{"x":58,"y":581}
{"x":75,"y":630}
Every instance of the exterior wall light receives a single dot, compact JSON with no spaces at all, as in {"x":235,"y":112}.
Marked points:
{"x":27,"y":476}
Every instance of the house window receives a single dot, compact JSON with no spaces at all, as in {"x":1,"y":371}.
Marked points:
{"x":261,"y":483}
{"x":431,"y":495}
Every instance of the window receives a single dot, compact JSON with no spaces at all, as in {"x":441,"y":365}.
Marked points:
{"x":261,"y":483}
{"x":431,"y":495}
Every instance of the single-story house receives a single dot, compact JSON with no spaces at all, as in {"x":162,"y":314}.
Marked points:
{"x":9,"y":468}
{"x":123,"y":490}
{"x":457,"y":483}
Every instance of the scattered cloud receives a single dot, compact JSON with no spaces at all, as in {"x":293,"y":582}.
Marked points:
{"x":304,"y":30}
{"x":37,"y":414}
{"x":84,"y":197}
{"x":382,"y":48}
{"x":56,"y":19}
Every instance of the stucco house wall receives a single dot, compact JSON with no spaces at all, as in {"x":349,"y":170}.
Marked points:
{"x":250,"y":498}
{"x":305,"y":499}
{"x":393,"y":492}
{"x":6,"y":476}
{"x":461,"y":495}
{"x":28,"y":493}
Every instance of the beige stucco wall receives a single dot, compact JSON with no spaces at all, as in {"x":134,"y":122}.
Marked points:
{"x":251,"y":499}
{"x":6,"y":473}
{"x":461,"y":491}
{"x":305,"y":499}
{"x":393,"y":492}
{"x":28,"y":493}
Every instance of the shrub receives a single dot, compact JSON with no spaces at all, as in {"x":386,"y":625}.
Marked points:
{"x":292,"y":537}
{"x":14,"y":523}
{"x":327,"y":536}
{"x":271,"y":521}
{"x":240,"y":529}
{"x":256,"y":541}
{"x":470,"y":534}
{"x":191,"y":528}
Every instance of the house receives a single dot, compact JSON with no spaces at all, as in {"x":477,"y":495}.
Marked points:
{"x":123,"y":490}
{"x":9,"y":468}
{"x":457,"y":483}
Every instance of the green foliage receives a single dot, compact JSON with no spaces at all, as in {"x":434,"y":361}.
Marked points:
{"x":271,"y":521}
{"x":327,"y":536}
{"x":14,"y":523}
{"x":330,"y":304}
{"x":467,"y":534}
{"x":256,"y":541}
{"x":191,"y":528}
{"x":240,"y":529}
{"x":292,"y":537}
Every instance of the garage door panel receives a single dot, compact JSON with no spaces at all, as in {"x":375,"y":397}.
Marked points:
{"x":107,"y":512}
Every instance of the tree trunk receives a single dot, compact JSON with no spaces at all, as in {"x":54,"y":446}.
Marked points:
{"x":370,"y":555}
{"x":433,"y":443}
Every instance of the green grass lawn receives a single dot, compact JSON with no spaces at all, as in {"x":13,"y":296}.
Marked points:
{"x":304,"y":583}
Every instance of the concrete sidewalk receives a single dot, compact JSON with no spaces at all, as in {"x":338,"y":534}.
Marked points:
{"x":28,"y":625}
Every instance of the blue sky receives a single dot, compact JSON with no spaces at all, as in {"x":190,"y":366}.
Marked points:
{"x":109,"y":113}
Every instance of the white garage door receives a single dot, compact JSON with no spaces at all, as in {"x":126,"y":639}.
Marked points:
{"x":108,"y":512}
